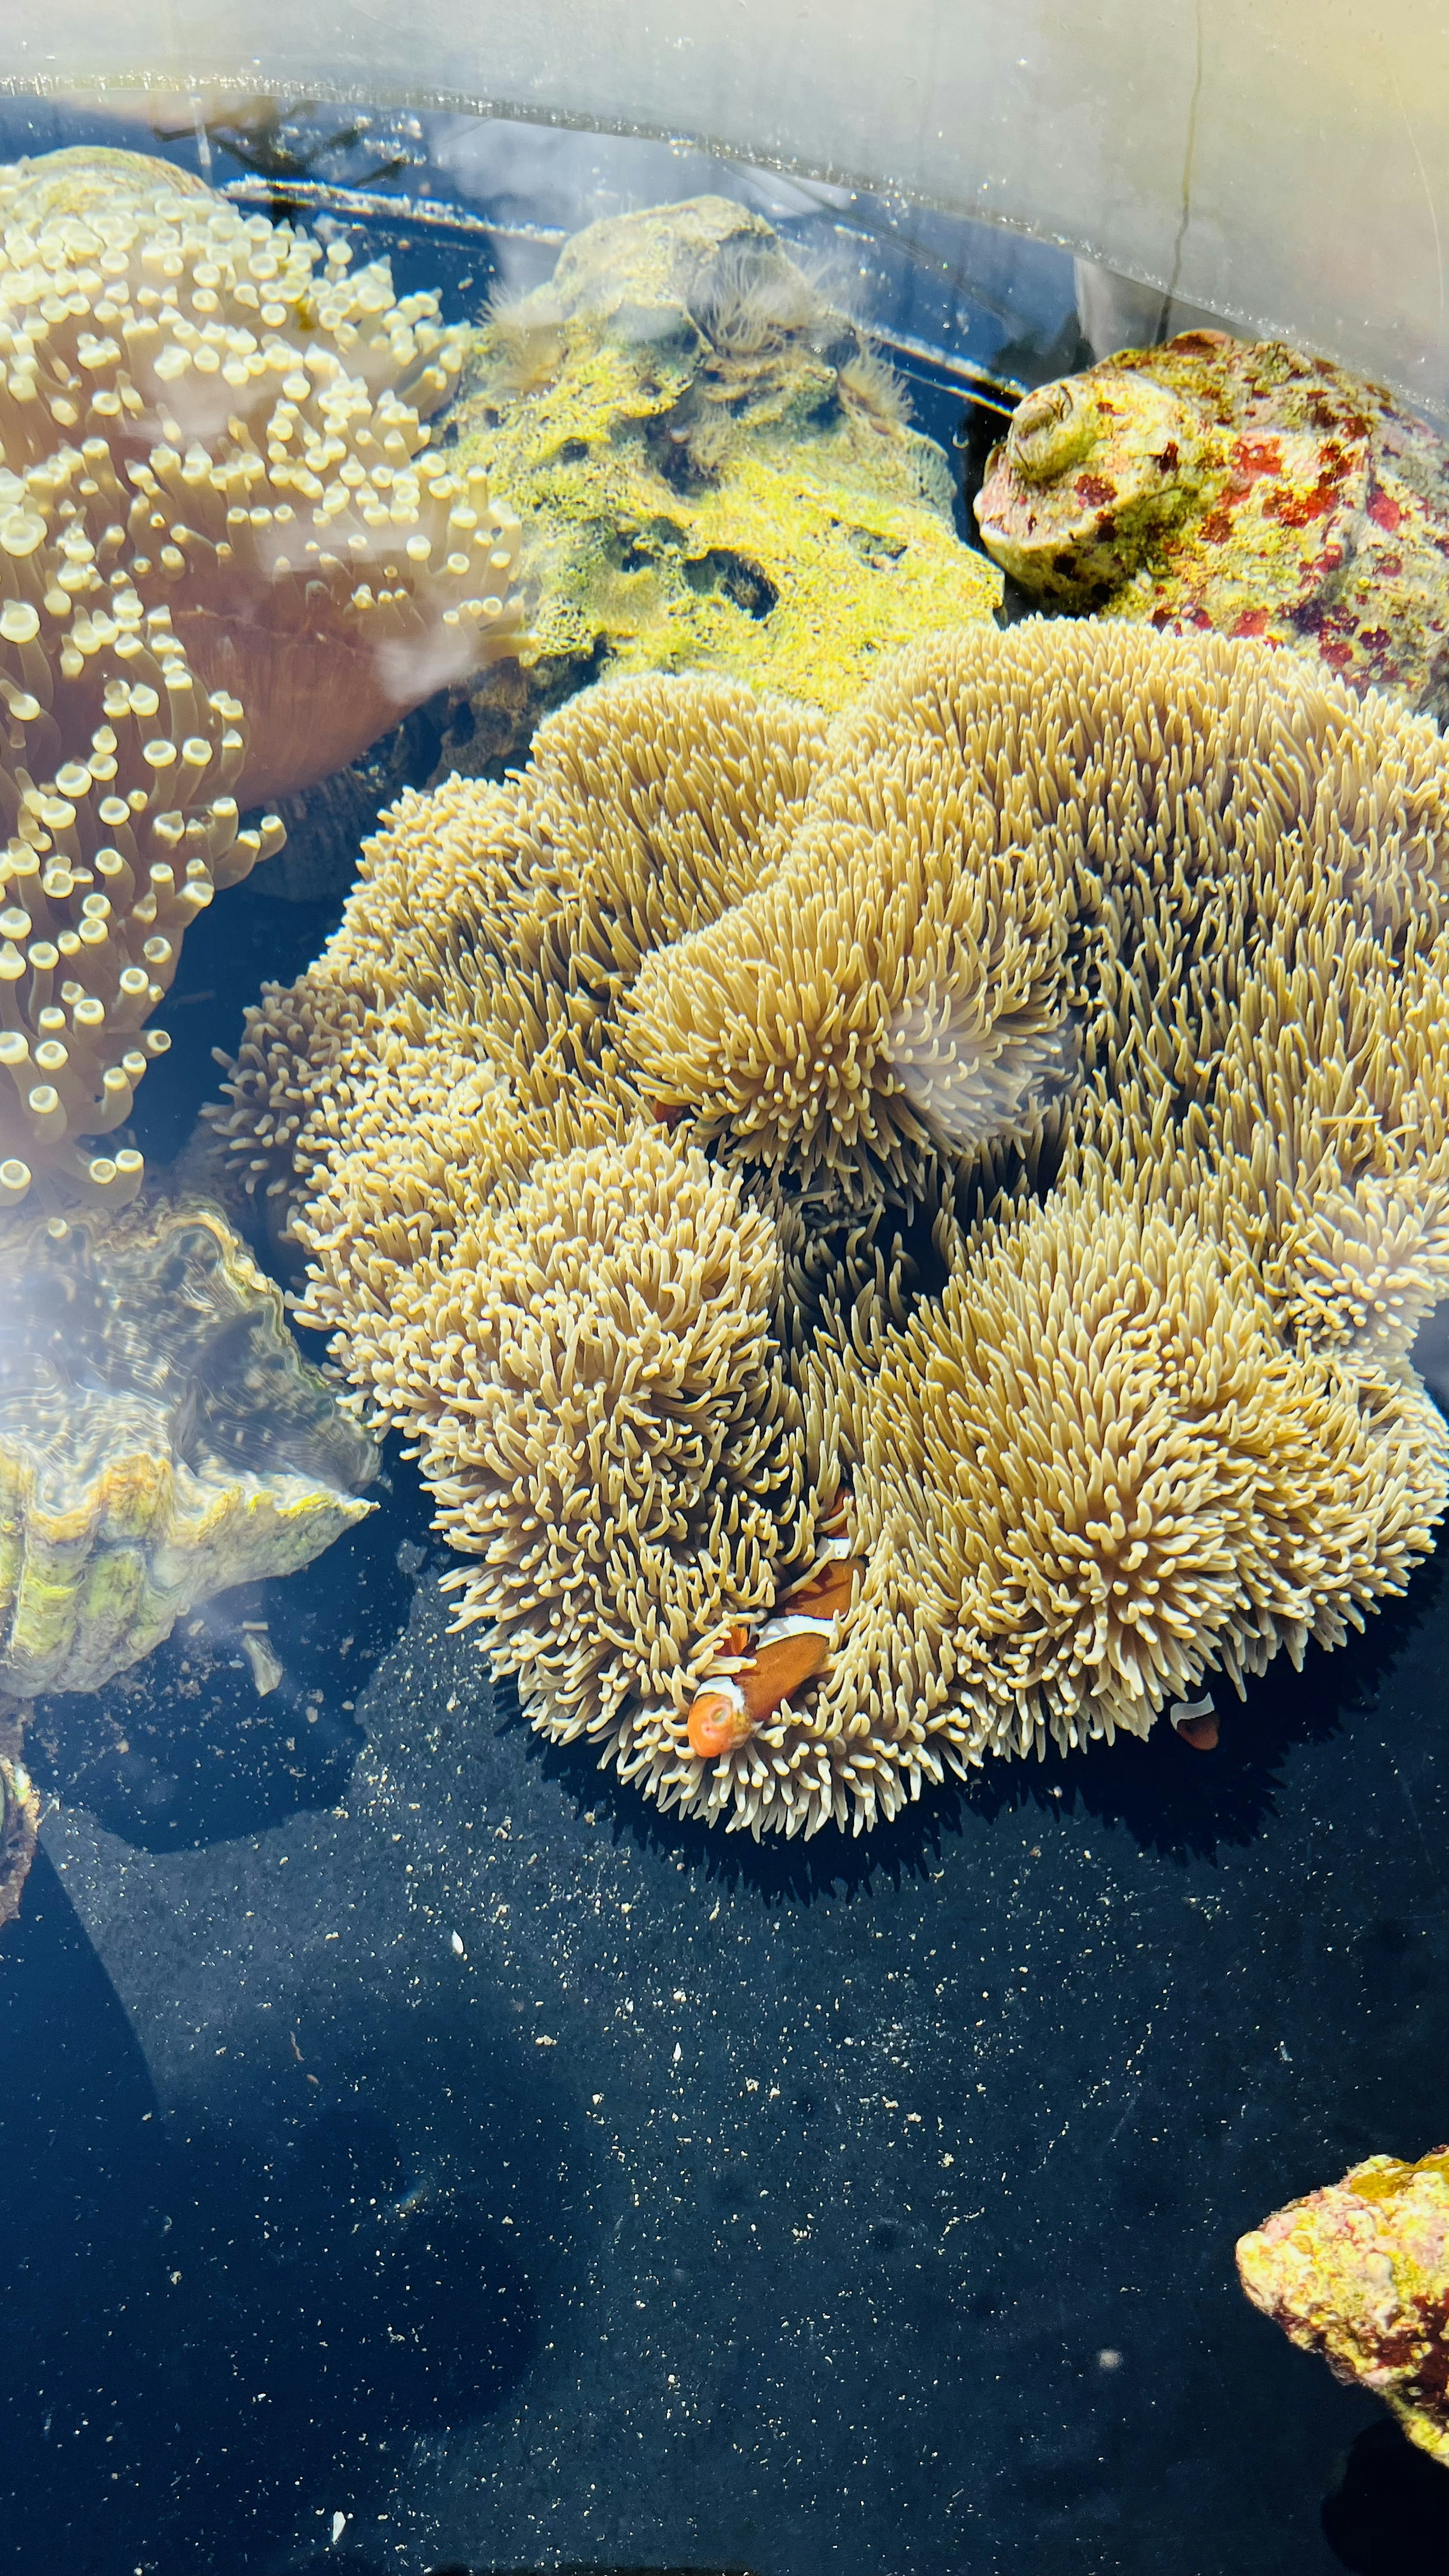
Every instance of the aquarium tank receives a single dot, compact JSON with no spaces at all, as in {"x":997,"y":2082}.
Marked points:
{"x":724,"y":1289}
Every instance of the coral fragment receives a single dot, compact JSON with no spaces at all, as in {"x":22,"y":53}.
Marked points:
{"x":1359,"y":2272}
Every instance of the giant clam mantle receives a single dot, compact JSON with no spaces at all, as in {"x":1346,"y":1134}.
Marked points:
{"x":1248,"y":489}
{"x":161,"y":1438}
{"x":1115,"y":966}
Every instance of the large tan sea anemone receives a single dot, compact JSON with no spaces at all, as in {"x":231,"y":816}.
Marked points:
{"x":627,"y":1113}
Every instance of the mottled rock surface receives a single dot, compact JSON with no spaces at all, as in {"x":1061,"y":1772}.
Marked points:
{"x":1360,"y":2273}
{"x":1245,"y":488}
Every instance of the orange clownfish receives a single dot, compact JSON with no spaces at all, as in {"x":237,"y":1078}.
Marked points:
{"x":794,"y":1644}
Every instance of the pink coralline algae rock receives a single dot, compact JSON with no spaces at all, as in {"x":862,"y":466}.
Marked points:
{"x":1243,"y":488}
{"x":1360,"y":2273}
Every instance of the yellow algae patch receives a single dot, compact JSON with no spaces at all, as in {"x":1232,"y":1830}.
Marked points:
{"x":713,"y":469}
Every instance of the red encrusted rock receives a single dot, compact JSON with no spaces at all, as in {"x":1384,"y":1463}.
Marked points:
{"x":1246,"y":489}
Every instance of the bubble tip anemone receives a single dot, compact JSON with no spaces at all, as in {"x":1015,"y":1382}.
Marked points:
{"x":314,"y":550}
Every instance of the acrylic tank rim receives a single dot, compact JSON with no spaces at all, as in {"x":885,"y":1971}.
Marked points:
{"x":1285,"y":165}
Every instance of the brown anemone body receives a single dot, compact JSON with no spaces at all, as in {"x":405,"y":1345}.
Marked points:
{"x":315,"y":697}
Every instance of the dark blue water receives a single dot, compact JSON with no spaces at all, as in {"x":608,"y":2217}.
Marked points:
{"x":865,"y":2208}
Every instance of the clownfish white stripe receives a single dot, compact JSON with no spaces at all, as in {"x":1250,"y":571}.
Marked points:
{"x":724,"y":1686}
{"x":798,"y":1626}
